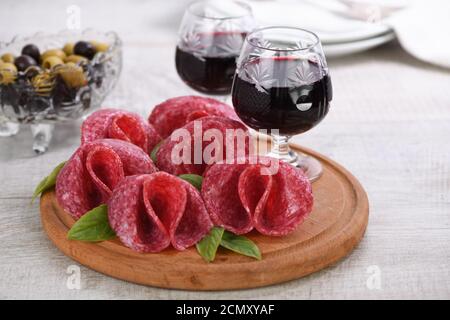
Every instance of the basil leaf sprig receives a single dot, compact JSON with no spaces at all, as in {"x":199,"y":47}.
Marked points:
{"x":207,"y":247}
{"x":93,"y":226}
{"x":48,"y":182}
{"x":155,"y":150}
{"x":193,"y":179}
{"x":241,"y":245}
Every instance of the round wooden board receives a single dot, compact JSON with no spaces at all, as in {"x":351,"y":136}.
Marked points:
{"x":330,"y":232}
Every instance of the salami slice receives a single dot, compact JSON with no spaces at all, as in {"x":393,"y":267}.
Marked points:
{"x":94,"y":170}
{"x":177,"y":112}
{"x":241,"y":197}
{"x":150,"y":212}
{"x":207,"y":140}
{"x":121,"y":125}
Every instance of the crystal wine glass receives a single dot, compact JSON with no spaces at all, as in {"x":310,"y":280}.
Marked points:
{"x":282,"y":87}
{"x":210,"y":39}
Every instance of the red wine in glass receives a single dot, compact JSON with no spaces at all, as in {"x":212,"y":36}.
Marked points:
{"x":208,"y":63}
{"x":291,"y":105}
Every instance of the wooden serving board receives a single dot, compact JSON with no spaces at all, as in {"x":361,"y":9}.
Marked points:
{"x":331,"y":231}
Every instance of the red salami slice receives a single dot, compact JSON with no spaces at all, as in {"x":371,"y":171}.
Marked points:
{"x":150,"y":212}
{"x":122,"y":125}
{"x":177,"y":112}
{"x":104,"y":169}
{"x":94,"y":170}
{"x":241,"y":197}
{"x":206,"y":142}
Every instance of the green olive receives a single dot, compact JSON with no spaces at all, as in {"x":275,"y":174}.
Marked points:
{"x":51,"y":61}
{"x":8,"y":57}
{"x":11,"y":67}
{"x":44,"y":83}
{"x":99,"y":46}
{"x":53,"y":52}
{"x":72,"y":75}
{"x":68,"y":48}
{"x":75,"y":58}
{"x":8,"y":73}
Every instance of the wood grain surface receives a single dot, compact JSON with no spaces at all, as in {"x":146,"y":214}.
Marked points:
{"x":389,"y":124}
{"x":333,"y":229}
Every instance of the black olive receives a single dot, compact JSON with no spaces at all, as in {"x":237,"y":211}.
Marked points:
{"x":84,"y":49}
{"x":23,"y":62}
{"x":32,"y":51}
{"x":62,"y":93}
{"x":32,"y":72}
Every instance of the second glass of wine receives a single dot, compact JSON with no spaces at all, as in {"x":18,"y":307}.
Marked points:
{"x":210,"y":39}
{"x":282,"y":86}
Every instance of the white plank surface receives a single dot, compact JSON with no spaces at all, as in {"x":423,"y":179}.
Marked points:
{"x":389,"y":125}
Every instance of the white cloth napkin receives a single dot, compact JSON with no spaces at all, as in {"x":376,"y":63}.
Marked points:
{"x":422,"y":26}
{"x":423,"y":30}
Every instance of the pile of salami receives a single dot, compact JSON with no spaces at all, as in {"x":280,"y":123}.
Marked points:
{"x":149,"y":207}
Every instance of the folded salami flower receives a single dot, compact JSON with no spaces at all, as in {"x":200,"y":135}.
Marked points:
{"x":94,"y":170}
{"x":177,"y":112}
{"x":121,"y":125}
{"x":150,"y":212}
{"x":202,"y":142}
{"x":263,"y":193}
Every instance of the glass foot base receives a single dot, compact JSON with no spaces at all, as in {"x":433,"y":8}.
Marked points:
{"x":8,"y":129}
{"x":42,"y":135}
{"x":310,"y":165}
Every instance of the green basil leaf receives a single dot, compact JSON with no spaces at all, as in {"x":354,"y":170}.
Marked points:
{"x":48,"y":182}
{"x":207,"y":247}
{"x":39,"y":189}
{"x":93,"y":226}
{"x":155,"y":150}
{"x":240,"y":244}
{"x":193,"y":179}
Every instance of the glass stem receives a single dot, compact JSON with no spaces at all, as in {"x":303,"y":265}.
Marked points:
{"x":280,"y":145}
{"x":281,"y":150}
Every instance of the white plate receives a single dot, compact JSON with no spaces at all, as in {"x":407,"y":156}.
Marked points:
{"x":330,"y":27}
{"x":345,"y":48}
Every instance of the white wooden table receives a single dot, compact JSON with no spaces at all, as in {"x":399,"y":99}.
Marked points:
{"x":389,"y":125}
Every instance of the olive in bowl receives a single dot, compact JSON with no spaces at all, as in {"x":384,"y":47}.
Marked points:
{"x":46,"y":79}
{"x":85,"y":49}
{"x":32,"y":50}
{"x":23,"y":62}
